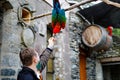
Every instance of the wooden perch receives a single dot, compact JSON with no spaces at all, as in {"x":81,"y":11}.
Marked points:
{"x":78,"y":4}
{"x":48,"y":3}
{"x":67,"y":9}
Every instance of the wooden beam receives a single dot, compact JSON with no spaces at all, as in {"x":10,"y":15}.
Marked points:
{"x":113,"y":59}
{"x":67,"y":9}
{"x":48,"y":3}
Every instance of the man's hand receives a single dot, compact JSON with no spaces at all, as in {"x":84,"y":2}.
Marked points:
{"x":51,"y":42}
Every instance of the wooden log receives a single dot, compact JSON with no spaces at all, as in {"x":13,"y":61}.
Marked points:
{"x":67,"y":9}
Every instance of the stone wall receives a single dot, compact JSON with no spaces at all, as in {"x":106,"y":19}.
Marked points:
{"x":11,"y":31}
{"x":112,"y":52}
{"x":91,"y":67}
{"x":10,"y":45}
{"x":94,"y":66}
{"x":75,"y":27}
{"x":66,"y":60}
{"x":41,"y":24}
{"x":62,"y":62}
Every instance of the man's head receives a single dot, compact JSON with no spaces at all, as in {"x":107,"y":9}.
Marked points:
{"x":29,"y":56}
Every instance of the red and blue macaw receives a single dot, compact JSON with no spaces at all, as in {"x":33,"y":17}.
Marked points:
{"x":58,"y":17}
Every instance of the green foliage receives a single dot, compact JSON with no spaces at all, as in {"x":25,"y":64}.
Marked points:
{"x":116,"y":31}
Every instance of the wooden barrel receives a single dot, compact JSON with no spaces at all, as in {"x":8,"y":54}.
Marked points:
{"x":97,"y":38}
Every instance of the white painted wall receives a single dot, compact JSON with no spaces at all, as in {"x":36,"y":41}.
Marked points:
{"x":99,"y":73}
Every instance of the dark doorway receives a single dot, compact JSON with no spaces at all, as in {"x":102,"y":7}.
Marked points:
{"x":111,"y":71}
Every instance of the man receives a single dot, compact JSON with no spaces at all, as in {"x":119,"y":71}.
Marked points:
{"x":30,"y":58}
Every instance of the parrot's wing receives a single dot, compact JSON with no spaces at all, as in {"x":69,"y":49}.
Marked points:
{"x":62,"y":18}
{"x":58,"y":17}
{"x":57,"y":28}
{"x":54,"y":17}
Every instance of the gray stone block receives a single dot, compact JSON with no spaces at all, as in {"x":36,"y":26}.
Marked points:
{"x":8,"y":72}
{"x":10,"y":60}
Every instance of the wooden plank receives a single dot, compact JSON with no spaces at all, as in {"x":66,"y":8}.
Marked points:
{"x":113,"y":59}
{"x":82,"y":63}
{"x":67,"y":9}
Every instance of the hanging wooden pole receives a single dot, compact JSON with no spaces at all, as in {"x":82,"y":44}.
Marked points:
{"x":78,"y":4}
{"x":67,"y":9}
{"x":48,"y":3}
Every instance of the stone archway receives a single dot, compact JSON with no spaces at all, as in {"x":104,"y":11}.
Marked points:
{"x":4,"y":5}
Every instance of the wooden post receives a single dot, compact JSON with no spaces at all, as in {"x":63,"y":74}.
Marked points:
{"x":83,"y":74}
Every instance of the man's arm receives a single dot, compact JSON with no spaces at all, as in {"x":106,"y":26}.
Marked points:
{"x":44,"y":57}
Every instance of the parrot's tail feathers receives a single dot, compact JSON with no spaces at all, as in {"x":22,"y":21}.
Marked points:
{"x":61,"y":16}
{"x":57,"y":28}
{"x":54,"y":15}
{"x":53,"y":25}
{"x":62,"y":12}
{"x":63,"y":25}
